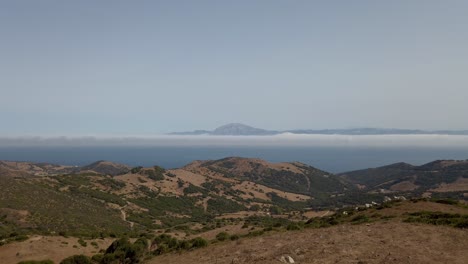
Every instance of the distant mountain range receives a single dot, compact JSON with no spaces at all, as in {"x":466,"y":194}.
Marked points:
{"x":237,"y":129}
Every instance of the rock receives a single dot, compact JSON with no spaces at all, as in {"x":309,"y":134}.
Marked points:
{"x":286,"y":259}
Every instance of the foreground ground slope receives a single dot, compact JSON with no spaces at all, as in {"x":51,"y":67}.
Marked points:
{"x":384,"y":237}
{"x":373,"y":235}
{"x":374,"y":243}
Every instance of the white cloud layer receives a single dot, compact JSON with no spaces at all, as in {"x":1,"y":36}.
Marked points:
{"x":287,"y":140}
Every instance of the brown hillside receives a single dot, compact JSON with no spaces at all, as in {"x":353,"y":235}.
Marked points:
{"x":390,"y":242}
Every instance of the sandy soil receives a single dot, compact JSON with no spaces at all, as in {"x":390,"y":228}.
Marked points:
{"x":391,"y":242}
{"x":54,"y":248}
{"x":404,"y":186}
{"x":461,"y":184}
{"x":260,"y":191}
{"x":286,"y":166}
{"x":187,"y":176}
{"x":311,"y":214}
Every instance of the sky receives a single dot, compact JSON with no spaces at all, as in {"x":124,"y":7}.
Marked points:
{"x":149,"y":67}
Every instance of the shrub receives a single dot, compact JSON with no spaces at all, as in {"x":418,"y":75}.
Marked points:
{"x":293,"y":226}
{"x":21,"y":238}
{"x":122,"y":251}
{"x":184,"y":244}
{"x":82,"y":242}
{"x":36,"y":262}
{"x":77,"y":259}
{"x":157,"y":173}
{"x":199,"y":242}
{"x":256,"y":233}
{"x":222,"y":236}
{"x":136,"y":169}
{"x":358,"y":219}
{"x":275,"y":210}
{"x":97,"y":258}
{"x":165,"y":243}
{"x":439,"y":218}
{"x":255,"y":207}
{"x":446,"y":201}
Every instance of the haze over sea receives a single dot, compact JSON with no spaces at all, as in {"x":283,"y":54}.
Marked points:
{"x":333,"y":153}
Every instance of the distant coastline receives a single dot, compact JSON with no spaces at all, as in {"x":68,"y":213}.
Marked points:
{"x":238,"y":129}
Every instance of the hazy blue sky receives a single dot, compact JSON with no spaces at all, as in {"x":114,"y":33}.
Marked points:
{"x":140,"y":67}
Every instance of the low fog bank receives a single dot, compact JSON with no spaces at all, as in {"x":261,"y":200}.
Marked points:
{"x":286,"y":140}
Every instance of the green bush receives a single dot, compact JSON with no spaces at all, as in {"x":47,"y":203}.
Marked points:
{"x":293,"y":226}
{"x":358,"y":219}
{"x":157,"y":173}
{"x":275,"y":210}
{"x":438,"y":218}
{"x":36,"y":262}
{"x":184,"y":245}
{"x":122,"y":251}
{"x":255,"y":207}
{"x":97,"y":258}
{"x":256,"y":233}
{"x":77,"y":259}
{"x":199,"y":242}
{"x":20,"y":238}
{"x":165,"y":243}
{"x":136,"y":169}
{"x":222,"y":236}
{"x":82,"y":242}
{"x":446,"y":201}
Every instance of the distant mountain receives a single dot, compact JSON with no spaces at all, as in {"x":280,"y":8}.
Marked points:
{"x":241,"y":129}
{"x":237,"y":129}
{"x":233,"y":129}
{"x":195,"y":132}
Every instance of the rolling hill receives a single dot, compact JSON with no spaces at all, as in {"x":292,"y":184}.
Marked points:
{"x":434,"y":178}
{"x":245,"y":197}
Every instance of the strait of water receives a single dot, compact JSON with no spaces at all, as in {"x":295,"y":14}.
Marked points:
{"x":332,"y":159}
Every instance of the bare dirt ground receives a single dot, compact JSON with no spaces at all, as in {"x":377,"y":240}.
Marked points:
{"x":187,"y":176}
{"x":310,"y":214}
{"x":54,"y":248}
{"x":404,"y":186}
{"x":459,"y":185}
{"x":259,"y":191}
{"x":231,"y":229}
{"x":385,"y":242}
